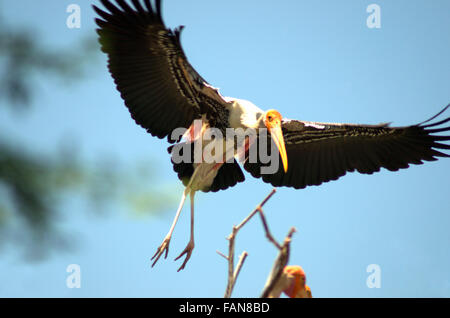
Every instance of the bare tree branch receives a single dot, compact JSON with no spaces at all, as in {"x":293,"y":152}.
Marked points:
{"x":232,"y":273}
{"x":266,"y":229}
{"x":238,"y":270}
{"x":257,"y":209}
{"x":230,"y":257}
{"x":222,"y":254}
{"x":278,"y":266}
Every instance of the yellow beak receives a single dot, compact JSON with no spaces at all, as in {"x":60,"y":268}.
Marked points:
{"x":277,"y":136}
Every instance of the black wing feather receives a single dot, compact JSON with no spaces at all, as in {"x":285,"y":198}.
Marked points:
{"x":320,"y":152}
{"x":160,"y":88}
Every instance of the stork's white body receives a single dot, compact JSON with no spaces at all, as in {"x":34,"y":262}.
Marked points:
{"x":244,"y":114}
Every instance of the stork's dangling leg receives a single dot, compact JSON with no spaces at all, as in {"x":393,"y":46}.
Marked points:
{"x":190,"y":246}
{"x":165,"y":244}
{"x":203,"y":176}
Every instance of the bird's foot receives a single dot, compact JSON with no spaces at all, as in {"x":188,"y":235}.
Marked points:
{"x":188,"y":251}
{"x":163,"y":247}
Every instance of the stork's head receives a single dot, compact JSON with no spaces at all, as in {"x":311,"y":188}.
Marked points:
{"x":297,"y":288}
{"x":272,"y":121}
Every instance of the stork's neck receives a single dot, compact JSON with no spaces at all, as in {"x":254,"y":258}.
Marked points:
{"x":244,"y":114}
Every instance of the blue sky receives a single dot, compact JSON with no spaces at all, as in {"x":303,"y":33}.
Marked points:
{"x":311,"y":60}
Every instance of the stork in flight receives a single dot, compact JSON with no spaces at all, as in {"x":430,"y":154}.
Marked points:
{"x":163,"y":92}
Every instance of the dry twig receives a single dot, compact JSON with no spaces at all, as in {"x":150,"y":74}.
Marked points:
{"x":266,"y":229}
{"x":278,"y":266}
{"x":232,"y":272}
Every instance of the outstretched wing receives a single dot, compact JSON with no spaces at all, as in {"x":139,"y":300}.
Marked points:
{"x":320,"y":152}
{"x":160,"y":88}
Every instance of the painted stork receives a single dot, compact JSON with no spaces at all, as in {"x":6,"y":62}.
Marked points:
{"x":163,"y":92}
{"x":292,"y":282}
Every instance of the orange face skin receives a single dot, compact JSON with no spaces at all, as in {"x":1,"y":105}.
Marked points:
{"x":298,"y":288}
{"x":272,"y":121}
{"x":272,"y":118}
{"x":308,"y":292}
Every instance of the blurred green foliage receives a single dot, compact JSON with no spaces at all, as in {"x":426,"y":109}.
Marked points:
{"x":33,"y":187}
{"x":23,"y":59}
